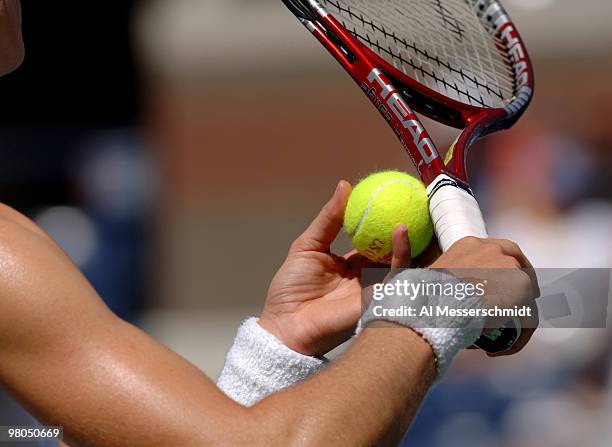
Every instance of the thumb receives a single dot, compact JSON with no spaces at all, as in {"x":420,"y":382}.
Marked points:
{"x":326,"y":226}
{"x":401,"y":249}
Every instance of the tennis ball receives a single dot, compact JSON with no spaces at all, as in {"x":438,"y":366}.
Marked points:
{"x":381,"y":202}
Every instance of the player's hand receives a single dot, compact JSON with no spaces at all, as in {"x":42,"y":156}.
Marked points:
{"x":508,"y":272}
{"x":314,"y":300}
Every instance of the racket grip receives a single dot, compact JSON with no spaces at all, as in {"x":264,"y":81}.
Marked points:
{"x":455,"y":214}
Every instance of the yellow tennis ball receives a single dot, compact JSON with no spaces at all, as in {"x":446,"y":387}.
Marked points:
{"x":381,"y":202}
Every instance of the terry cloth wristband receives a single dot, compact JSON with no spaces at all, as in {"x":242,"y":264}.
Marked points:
{"x":447,"y":335}
{"x":258,"y":365}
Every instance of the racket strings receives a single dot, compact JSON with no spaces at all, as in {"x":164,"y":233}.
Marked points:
{"x":433,"y":73}
{"x":439,"y":43}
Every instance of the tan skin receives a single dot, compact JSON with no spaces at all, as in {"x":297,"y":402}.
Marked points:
{"x":71,"y":362}
{"x":11,"y":43}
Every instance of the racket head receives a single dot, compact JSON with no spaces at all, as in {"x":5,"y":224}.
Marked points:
{"x":459,"y":62}
{"x":396,"y":90}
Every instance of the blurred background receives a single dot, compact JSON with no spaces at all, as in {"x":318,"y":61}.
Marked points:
{"x":167,"y":145}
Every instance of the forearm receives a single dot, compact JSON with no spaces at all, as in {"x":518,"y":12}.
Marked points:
{"x":128,"y":390}
{"x":120,"y":388}
{"x":369,"y":396}
{"x":258,"y":365}
{"x":141,"y":394}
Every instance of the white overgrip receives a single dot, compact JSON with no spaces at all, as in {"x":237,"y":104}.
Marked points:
{"x":454,"y":212}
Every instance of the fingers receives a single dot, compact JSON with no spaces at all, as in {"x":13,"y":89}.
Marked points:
{"x":518,"y":345}
{"x":401,"y":248}
{"x":429,"y":256}
{"x":401,"y":255}
{"x":530,"y":324}
{"x":513,"y":257}
{"x":326,"y":226}
{"x":356,"y":262}
{"x":512,"y":249}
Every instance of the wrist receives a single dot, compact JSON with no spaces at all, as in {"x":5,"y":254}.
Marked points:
{"x":271,"y":327}
{"x":402,"y":334}
{"x":276,"y":328}
{"x":446,"y":334}
{"x":258,"y":364}
{"x":403,"y":344}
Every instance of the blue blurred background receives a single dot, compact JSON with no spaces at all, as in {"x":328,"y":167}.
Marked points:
{"x":164,"y":153}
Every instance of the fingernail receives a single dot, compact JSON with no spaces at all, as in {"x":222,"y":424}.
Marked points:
{"x":338,"y":187}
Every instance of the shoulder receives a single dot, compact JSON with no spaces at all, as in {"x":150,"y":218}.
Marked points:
{"x":13,"y":220}
{"x":36,"y":277}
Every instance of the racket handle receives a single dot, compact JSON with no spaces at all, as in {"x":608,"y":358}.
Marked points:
{"x":455,"y":214}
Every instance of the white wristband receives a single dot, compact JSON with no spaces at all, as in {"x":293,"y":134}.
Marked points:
{"x":447,"y":335}
{"x":258,"y":365}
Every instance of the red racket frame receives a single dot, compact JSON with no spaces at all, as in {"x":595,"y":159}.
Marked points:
{"x":361,"y":62}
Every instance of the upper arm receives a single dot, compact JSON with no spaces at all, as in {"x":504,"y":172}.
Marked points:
{"x":71,"y":362}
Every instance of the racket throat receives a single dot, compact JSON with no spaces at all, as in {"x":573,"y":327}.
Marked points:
{"x":348,"y":55}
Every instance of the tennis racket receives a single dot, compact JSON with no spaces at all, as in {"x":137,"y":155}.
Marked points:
{"x":459,"y":62}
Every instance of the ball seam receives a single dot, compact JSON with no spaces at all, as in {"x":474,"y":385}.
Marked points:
{"x":377,"y":191}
